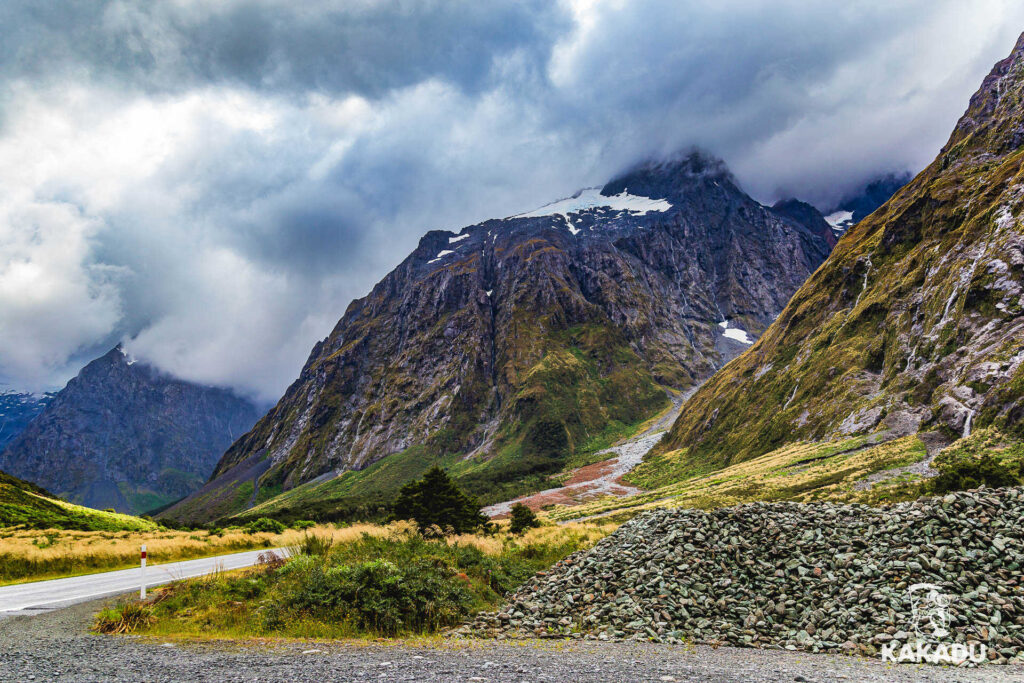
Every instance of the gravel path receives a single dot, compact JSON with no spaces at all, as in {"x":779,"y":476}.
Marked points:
{"x":55,"y":646}
{"x":605,"y":479}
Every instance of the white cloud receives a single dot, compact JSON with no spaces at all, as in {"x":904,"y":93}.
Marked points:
{"x":52,"y":301}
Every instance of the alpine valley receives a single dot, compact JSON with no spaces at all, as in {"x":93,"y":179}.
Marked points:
{"x":123,"y":435}
{"x":517,"y":347}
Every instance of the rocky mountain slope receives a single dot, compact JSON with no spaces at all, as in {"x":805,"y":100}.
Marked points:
{"x":916,"y":320}
{"x":17,"y":409}
{"x":122,"y":435}
{"x":514,"y":343}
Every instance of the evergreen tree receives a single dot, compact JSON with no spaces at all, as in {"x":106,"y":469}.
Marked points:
{"x":436,"y":500}
{"x":523,"y":518}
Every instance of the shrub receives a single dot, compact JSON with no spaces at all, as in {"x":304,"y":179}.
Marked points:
{"x":369,"y":586}
{"x":313,"y":545}
{"x":435,"y":501}
{"x":303,"y":524}
{"x":523,"y":518}
{"x":264,"y":525}
{"x":124,"y":618}
{"x":969,"y":473}
{"x":379,"y":596}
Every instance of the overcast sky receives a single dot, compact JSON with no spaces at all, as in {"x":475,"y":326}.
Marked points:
{"x":213,"y":182}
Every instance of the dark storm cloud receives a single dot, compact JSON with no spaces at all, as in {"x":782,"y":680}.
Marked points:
{"x":215,"y":181}
{"x":359,"y":46}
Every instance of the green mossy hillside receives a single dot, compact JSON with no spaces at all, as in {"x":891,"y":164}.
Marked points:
{"x":23,"y":504}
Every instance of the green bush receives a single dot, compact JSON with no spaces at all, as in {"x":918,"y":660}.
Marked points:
{"x":523,"y":518}
{"x":370,"y":586}
{"x":378,"y":596}
{"x":303,"y":524}
{"x":312,"y":544}
{"x":265,"y":525}
{"x":967,"y":472}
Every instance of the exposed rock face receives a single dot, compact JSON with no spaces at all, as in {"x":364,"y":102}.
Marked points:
{"x":817,"y":577}
{"x":123,"y":435}
{"x":530,"y":334}
{"x":807,"y":215}
{"x":17,"y":409}
{"x":915,"y":321}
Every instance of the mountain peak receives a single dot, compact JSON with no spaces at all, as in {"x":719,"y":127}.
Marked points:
{"x":126,"y":435}
{"x":994,"y":121}
{"x":523,"y":337}
{"x":669,"y":176}
{"x":913,"y":323}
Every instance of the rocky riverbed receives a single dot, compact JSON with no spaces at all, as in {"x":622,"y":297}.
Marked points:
{"x":815,"y":577}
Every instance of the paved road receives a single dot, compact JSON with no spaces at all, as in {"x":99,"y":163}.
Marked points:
{"x":26,"y":598}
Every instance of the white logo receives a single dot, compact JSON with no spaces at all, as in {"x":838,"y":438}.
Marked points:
{"x":930,"y":622}
{"x":929,"y":608}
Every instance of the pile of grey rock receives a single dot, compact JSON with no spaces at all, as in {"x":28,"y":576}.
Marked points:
{"x":816,"y":577}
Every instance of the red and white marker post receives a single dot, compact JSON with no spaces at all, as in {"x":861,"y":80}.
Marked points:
{"x":142,"y":574}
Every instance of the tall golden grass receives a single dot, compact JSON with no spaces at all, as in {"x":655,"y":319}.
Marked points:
{"x":30,"y":555}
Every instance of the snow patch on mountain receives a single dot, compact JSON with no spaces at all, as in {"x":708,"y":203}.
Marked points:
{"x":840,"y":221}
{"x":440,"y":255}
{"x":591,"y":198}
{"x":735,"y":333}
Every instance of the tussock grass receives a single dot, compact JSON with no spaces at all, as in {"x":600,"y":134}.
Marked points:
{"x":800,"y":472}
{"x":31,"y":555}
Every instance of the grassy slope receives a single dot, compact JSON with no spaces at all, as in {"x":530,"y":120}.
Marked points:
{"x":27,"y":505}
{"x":365,"y":492}
{"x":800,"y":472}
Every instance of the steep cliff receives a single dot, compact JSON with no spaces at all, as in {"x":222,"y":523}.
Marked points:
{"x":17,"y":409}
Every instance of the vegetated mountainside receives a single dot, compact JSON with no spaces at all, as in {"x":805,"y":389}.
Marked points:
{"x":123,"y":435}
{"x":26,"y":505}
{"x":517,"y":342}
{"x":916,"y":320}
{"x":17,"y":409}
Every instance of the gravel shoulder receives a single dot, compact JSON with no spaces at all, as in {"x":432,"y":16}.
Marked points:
{"x":57,"y":646}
